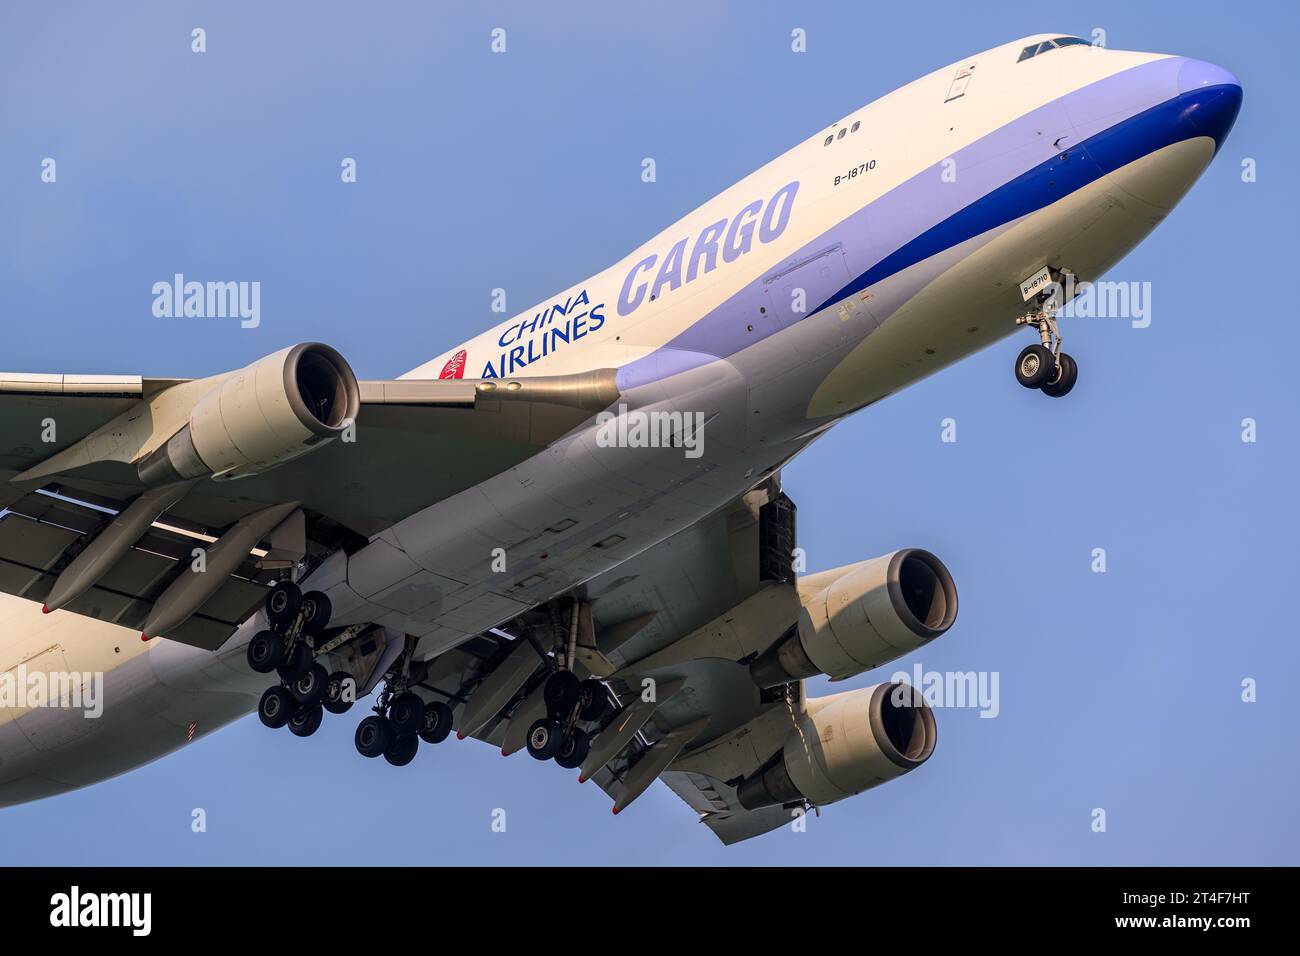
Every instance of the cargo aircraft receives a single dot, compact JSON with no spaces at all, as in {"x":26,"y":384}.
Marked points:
{"x":568,"y":536}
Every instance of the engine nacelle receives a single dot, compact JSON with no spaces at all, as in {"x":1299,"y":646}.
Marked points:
{"x":861,"y":616}
{"x":845,"y":744}
{"x":280,"y":407}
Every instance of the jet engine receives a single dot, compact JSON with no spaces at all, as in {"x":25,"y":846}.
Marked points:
{"x":280,"y":407}
{"x":862,"y":615}
{"x":844,"y":744}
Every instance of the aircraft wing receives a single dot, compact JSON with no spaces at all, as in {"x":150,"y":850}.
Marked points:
{"x":679,"y":615}
{"x":416,"y":443}
{"x":70,"y":448}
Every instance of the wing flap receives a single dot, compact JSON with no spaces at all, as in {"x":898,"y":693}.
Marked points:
{"x":41,"y":533}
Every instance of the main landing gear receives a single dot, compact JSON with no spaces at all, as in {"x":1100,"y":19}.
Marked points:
{"x":1045,"y":366}
{"x":400,"y":721}
{"x":288,"y":648}
{"x":557,"y":736}
{"x":401,"y":718}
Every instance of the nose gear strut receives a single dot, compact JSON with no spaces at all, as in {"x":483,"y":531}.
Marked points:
{"x":1045,"y":366}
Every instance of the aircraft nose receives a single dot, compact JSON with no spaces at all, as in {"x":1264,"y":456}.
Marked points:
{"x":1210,"y":98}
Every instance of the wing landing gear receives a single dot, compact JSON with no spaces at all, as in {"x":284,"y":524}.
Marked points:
{"x":306,"y":689}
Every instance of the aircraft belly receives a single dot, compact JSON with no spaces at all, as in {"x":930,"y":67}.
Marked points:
{"x":572,"y":512}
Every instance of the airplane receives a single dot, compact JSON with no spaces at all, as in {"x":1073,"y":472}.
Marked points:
{"x":568,"y":536}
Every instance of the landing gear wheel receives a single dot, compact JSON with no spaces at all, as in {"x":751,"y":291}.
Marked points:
{"x":437,"y":723}
{"x":282,"y":603}
{"x":264,"y":651}
{"x":311,"y":687}
{"x":1035,"y":366}
{"x":561,"y":693}
{"x":306,"y":721}
{"x":402,"y":750}
{"x":316,"y":612}
{"x":592,"y":700}
{"x":406,"y":714}
{"x":296,"y":663}
{"x":574,"y":750}
{"x":276,"y":707}
{"x":373,"y":736}
{"x":1064,"y":380}
{"x":545,"y":738}
{"x":335,"y":701}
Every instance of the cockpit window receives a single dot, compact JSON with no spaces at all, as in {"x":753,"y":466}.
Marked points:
{"x":1036,"y":48}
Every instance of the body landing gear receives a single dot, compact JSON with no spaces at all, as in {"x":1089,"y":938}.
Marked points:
{"x":401,"y":720}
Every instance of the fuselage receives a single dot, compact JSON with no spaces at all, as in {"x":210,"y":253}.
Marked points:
{"x":882,"y":249}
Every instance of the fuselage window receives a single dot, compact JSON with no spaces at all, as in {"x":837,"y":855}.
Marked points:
{"x":842,"y":132}
{"x":855,"y":127}
{"x":828,"y":140}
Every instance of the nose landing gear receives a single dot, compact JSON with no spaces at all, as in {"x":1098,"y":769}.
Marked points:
{"x":1044,"y":366}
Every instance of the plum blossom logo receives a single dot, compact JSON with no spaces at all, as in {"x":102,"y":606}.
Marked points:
{"x":455,"y":367}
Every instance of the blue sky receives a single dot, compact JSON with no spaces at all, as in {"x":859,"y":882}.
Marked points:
{"x":1119,"y":690}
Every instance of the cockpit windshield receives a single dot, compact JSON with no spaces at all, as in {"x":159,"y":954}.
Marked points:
{"x":1036,"y":48}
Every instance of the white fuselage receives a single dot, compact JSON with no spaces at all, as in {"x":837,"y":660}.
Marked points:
{"x":878,"y":251}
